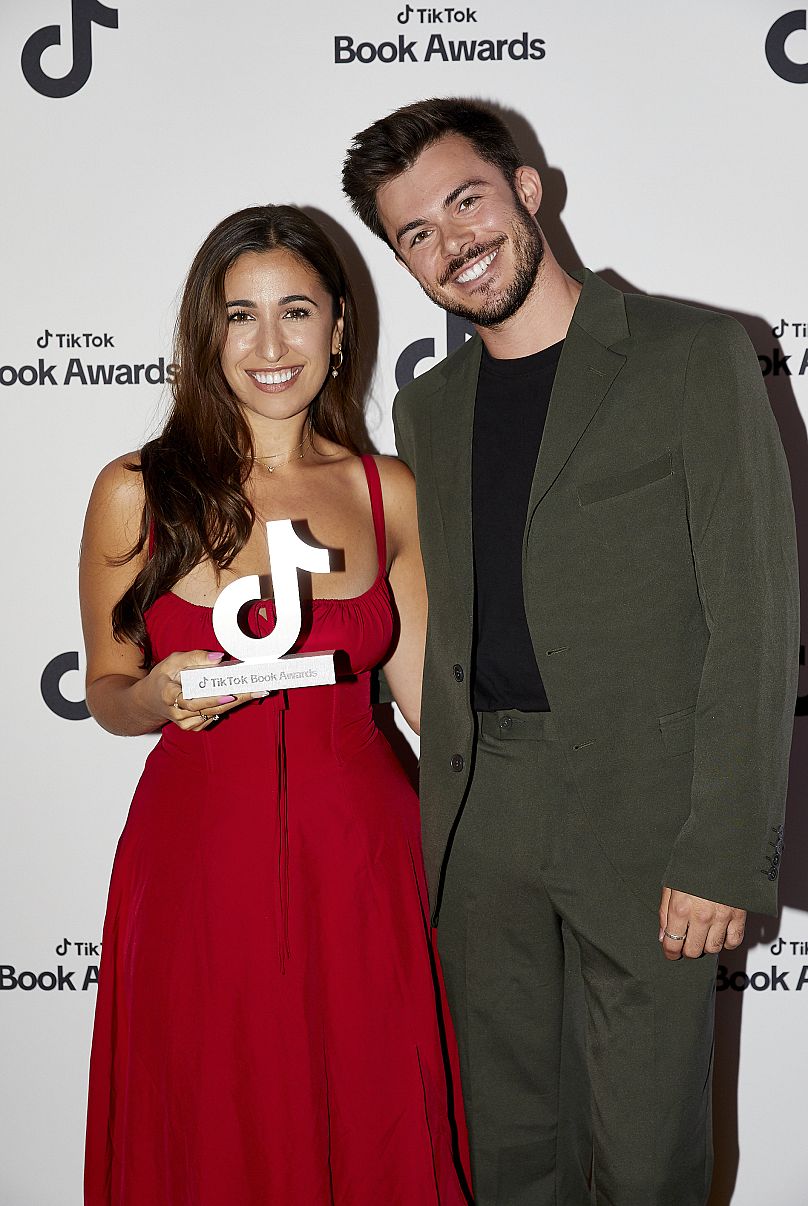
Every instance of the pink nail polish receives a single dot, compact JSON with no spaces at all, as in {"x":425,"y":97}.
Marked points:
{"x":227,"y":699}
{"x":215,"y":657}
{"x":661,"y":935}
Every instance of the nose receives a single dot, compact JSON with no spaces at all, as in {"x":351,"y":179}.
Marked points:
{"x":457,"y":237}
{"x":271,"y":342}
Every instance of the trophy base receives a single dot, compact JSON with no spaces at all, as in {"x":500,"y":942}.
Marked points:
{"x":273,"y":674}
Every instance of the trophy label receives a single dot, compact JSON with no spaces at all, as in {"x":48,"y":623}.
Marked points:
{"x":267,"y":674}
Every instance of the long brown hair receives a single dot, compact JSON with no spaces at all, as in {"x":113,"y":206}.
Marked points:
{"x":195,"y":472}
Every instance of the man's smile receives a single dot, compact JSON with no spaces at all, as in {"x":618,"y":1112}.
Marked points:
{"x":477,"y":269}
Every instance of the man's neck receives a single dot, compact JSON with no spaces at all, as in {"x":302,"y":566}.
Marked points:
{"x":543,"y":318}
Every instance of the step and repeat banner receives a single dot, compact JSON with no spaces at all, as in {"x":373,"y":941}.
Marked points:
{"x":670,"y":141}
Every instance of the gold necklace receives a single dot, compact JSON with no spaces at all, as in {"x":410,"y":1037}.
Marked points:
{"x":289,"y":454}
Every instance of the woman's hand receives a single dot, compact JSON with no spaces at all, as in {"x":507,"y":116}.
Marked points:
{"x":161,"y":693}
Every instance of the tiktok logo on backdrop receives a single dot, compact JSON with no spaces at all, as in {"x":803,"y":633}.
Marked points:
{"x":85,"y":13}
{"x":458,"y":330}
{"x":779,"y":60}
{"x":50,"y":686}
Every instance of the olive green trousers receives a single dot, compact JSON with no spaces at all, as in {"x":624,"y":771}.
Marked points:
{"x":586,"y":1056}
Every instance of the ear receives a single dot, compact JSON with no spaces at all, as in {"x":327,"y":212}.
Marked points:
{"x":527,"y":185}
{"x":339,"y":327}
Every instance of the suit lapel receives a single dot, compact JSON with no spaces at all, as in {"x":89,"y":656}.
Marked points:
{"x":585,"y":373}
{"x":584,"y":376}
{"x":452,"y":414}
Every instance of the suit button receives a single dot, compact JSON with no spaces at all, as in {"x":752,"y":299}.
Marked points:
{"x":506,"y":722}
{"x":458,"y":762}
{"x":458,"y":673}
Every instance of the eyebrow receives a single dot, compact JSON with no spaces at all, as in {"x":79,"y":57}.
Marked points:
{"x":447,"y":201}
{"x":282,"y":301}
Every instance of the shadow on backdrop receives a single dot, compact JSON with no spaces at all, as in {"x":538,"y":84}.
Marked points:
{"x":367,"y":308}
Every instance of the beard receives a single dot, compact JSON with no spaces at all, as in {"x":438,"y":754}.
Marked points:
{"x":528,"y":249}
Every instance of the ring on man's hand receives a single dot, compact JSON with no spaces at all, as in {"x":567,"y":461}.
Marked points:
{"x":674,"y":937}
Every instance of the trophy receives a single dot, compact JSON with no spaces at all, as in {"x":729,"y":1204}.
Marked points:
{"x":264,"y":663}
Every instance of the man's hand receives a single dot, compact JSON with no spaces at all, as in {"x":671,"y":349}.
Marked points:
{"x":691,"y":926}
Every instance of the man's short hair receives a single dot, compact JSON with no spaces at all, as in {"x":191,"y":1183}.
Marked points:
{"x":392,"y":144}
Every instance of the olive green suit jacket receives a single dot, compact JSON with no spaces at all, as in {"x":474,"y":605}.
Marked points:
{"x":660,"y":588}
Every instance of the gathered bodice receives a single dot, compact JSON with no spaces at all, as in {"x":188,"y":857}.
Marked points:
{"x":360,"y":628}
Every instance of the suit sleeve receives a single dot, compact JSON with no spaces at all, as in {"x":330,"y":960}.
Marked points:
{"x":401,"y":427}
{"x":744,"y":553}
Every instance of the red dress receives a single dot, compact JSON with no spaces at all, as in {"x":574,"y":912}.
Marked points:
{"x":271,"y":1028}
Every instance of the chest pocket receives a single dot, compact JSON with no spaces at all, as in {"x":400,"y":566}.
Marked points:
{"x":627,"y":482}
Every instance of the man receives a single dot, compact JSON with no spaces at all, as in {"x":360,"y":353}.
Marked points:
{"x":610,"y":675}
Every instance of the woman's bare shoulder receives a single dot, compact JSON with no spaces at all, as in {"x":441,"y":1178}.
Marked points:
{"x":120,"y":483}
{"x":398,"y":483}
{"x":116,"y":504}
{"x":400,"y":512}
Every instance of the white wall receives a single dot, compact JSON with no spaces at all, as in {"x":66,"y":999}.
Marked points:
{"x":673,"y":157}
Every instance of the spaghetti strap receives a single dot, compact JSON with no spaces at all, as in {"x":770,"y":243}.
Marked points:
{"x":377,"y":509}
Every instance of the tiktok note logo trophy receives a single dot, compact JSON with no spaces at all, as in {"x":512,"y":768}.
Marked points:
{"x":85,"y":13}
{"x":263,"y":666}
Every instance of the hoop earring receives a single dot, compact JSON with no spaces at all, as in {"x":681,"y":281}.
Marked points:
{"x":335,"y":368}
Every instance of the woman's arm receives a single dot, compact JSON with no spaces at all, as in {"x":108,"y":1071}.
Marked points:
{"x":404,"y":669}
{"x":122,"y":697}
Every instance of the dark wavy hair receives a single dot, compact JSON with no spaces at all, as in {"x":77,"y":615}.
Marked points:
{"x":392,"y":144}
{"x":194,"y":473}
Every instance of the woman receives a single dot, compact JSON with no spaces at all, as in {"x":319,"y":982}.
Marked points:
{"x":268,"y":1027}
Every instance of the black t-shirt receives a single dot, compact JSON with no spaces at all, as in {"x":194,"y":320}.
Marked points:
{"x":509,"y":416}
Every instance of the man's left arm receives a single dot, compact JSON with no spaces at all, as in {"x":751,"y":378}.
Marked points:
{"x":726,"y":856}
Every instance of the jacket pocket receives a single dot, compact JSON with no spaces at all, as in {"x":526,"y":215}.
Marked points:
{"x":679,"y":730}
{"x":623,"y":483}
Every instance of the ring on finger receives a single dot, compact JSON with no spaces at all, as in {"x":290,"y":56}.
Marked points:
{"x":674,"y":937}
{"x":205,"y":715}
{"x":176,"y":703}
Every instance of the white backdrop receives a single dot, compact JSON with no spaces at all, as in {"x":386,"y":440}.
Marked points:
{"x":672,"y":151}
